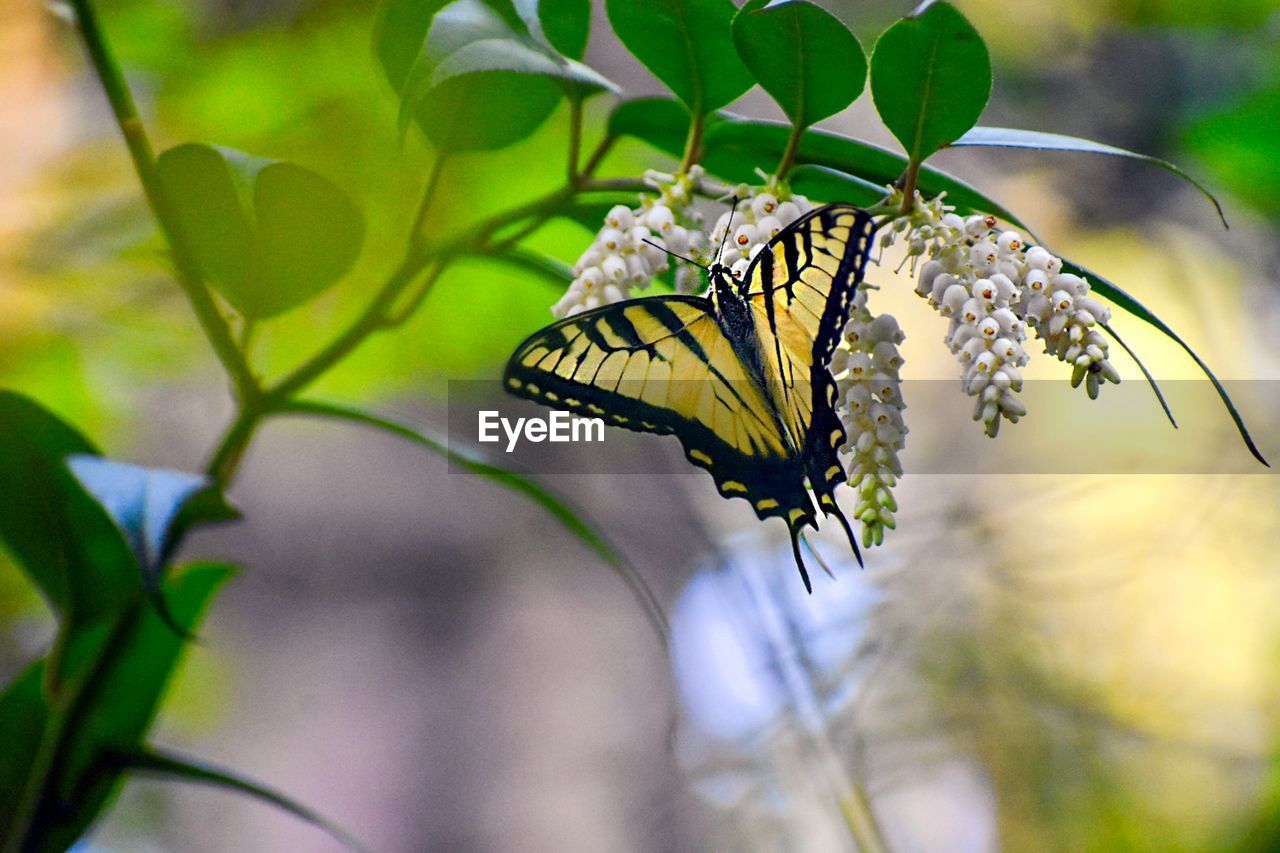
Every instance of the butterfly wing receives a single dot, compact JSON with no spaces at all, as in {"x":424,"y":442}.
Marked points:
{"x":800,"y":288}
{"x":664,"y":365}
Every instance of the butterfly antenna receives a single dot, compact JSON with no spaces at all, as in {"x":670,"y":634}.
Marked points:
{"x":795,"y":549}
{"x":724,"y":238}
{"x":674,"y":255}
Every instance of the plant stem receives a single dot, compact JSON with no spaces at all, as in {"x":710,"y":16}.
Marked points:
{"x":597,"y":156}
{"x":428,"y":196}
{"x":789,"y":153}
{"x":135,"y":136}
{"x":63,"y":705}
{"x":693,"y":142}
{"x":225,"y":460}
{"x":909,"y":179}
{"x":575,"y":138}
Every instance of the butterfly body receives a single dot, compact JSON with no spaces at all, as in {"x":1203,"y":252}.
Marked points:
{"x":739,"y":376}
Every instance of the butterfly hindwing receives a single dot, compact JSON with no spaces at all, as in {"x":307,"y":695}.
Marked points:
{"x":664,"y":365}
{"x":801,"y":288}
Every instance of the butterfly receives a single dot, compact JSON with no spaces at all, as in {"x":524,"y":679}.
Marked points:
{"x":739,"y":376}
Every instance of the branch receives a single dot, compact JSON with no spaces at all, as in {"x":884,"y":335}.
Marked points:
{"x":189,"y":276}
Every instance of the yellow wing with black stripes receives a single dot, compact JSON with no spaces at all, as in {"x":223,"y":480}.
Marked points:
{"x":800,"y":288}
{"x":663,"y":365}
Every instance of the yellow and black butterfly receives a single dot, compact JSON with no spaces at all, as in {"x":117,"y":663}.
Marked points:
{"x":739,"y":376}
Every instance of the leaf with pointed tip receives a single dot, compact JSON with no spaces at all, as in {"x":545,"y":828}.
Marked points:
{"x":477,"y":463}
{"x":687,"y":44}
{"x":481,"y":111}
{"x":57,"y":533}
{"x":505,"y":54}
{"x":124,"y":669}
{"x":1127,"y":302}
{"x":930,"y":78}
{"x":169,"y":766}
{"x":152,"y":508}
{"x":1005,"y":137}
{"x":562,"y":25}
{"x":802,"y":55}
{"x":735,"y":146}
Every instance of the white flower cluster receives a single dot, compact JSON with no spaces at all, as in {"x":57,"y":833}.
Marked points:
{"x":765,"y":213}
{"x":628,"y":251}
{"x":866,"y":367}
{"x":992,"y":286}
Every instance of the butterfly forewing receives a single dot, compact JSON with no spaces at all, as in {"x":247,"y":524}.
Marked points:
{"x":664,"y":365}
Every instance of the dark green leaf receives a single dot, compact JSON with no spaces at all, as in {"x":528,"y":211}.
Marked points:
{"x":61,"y":537}
{"x":661,"y":122}
{"x":187,"y":770}
{"x":826,"y":184}
{"x":1123,"y":300}
{"x":802,"y":55}
{"x":399,"y":35}
{"x":124,"y":668}
{"x":1151,"y":380}
{"x":1004,"y":137}
{"x":687,"y":44}
{"x":269,"y":235}
{"x":930,"y":78}
{"x":476,"y":462}
{"x":471,"y":107}
{"x":737,"y":146}
{"x":505,"y":54}
{"x":152,"y":508}
{"x":563,"y":25}
{"x":23,"y":715}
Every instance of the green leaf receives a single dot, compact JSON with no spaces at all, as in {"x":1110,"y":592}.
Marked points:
{"x":563,"y":25}
{"x":1151,"y":380}
{"x":127,"y":666}
{"x":472,"y":460}
{"x":1123,"y":300}
{"x":930,"y":78}
{"x":551,"y":270}
{"x":269,"y":235}
{"x":736,"y":146}
{"x":60,"y":536}
{"x":480,"y":110}
{"x":825,"y":183}
{"x":505,"y":54}
{"x":23,"y":715}
{"x":152,"y":507}
{"x":687,"y":44}
{"x":661,"y":122}
{"x":1004,"y":137}
{"x":1240,"y":145}
{"x":802,"y":55}
{"x":170,"y":766}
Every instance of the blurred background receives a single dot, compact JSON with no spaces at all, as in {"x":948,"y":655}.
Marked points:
{"x":1032,"y":661}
